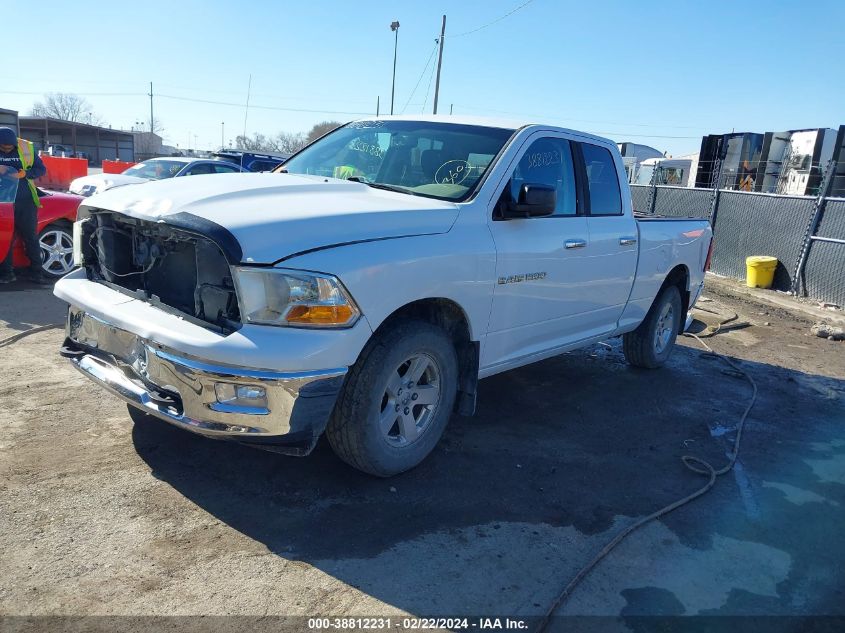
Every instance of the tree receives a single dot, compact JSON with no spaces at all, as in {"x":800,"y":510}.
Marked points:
{"x":289,"y":143}
{"x":283,"y":142}
{"x":67,"y":107}
{"x":320,"y":129}
{"x":257,"y":143}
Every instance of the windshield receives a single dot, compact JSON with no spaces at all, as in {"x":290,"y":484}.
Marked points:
{"x":438,"y":160}
{"x":155,"y":169}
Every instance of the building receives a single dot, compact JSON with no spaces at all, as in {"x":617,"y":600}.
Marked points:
{"x":147,"y":145}
{"x":9,"y":118}
{"x":94,"y":142}
{"x":793,"y":161}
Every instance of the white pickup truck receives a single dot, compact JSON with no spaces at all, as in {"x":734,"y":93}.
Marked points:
{"x":365,"y":287}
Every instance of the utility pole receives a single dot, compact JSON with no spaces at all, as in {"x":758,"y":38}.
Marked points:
{"x":378,"y":98}
{"x":439,"y":62}
{"x":394,"y":26}
{"x":152,"y":126}
{"x":222,"y":134}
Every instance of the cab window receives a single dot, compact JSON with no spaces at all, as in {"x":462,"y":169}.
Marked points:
{"x":547,"y":161}
{"x":605,"y":197}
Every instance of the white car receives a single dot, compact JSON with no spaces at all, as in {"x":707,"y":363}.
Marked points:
{"x":153,"y":169}
{"x":364,"y":288}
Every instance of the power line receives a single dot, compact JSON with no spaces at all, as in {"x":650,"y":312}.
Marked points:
{"x":81,"y":94}
{"x":261,"y":107}
{"x":428,"y":89}
{"x":499,"y":19}
{"x":422,"y":74}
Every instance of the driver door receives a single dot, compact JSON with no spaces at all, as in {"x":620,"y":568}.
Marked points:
{"x":540,"y":261}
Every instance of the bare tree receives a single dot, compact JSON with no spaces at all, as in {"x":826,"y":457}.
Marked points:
{"x":289,"y":143}
{"x":283,"y":142}
{"x":257,"y":143}
{"x":320,"y":129}
{"x":67,"y":107}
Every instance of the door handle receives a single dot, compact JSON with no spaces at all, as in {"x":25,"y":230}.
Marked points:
{"x":627,"y":241}
{"x":575,"y":243}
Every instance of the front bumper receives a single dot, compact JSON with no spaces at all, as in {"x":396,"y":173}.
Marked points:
{"x":181,"y":389}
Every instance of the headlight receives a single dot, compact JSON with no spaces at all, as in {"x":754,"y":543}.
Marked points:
{"x":271,"y":296}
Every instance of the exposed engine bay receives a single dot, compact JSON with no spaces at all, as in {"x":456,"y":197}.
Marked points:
{"x":171,"y":268}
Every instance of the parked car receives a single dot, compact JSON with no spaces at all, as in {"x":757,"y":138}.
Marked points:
{"x":364,"y":288}
{"x":65,"y":151}
{"x":252,"y":161}
{"x":153,"y":169}
{"x":55,"y":231}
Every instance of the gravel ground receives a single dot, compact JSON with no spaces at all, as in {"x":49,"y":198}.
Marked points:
{"x":103,"y":517}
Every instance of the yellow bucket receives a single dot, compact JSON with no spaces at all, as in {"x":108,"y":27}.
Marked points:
{"x":760,"y":271}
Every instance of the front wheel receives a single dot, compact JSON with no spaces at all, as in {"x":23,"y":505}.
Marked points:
{"x":396,"y":400}
{"x":651,"y":344}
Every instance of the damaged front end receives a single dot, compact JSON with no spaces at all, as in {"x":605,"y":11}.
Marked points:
{"x":171,"y":265}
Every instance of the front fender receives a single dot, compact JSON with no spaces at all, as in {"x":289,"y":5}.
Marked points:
{"x":386,"y":275}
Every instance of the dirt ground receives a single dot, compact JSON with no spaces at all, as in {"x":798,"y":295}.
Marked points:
{"x":100,"y":517}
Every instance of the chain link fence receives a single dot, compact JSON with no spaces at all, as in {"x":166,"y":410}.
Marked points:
{"x":791,"y":228}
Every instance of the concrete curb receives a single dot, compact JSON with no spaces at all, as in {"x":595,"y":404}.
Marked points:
{"x":772,"y":297}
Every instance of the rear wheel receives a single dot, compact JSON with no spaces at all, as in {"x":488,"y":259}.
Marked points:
{"x":396,"y":400}
{"x":651,"y":344}
{"x":56,"y":242}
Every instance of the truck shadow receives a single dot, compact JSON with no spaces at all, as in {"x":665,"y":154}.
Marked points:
{"x":573,"y":447}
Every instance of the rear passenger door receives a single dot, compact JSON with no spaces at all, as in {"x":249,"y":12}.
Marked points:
{"x":613,"y":235}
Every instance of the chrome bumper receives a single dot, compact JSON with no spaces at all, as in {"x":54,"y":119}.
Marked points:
{"x":181,"y":390}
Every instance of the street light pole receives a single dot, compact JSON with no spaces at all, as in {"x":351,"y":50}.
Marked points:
{"x":222,"y":134}
{"x":394,"y":26}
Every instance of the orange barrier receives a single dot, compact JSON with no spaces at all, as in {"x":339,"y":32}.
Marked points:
{"x":116,"y":166}
{"x":61,"y":171}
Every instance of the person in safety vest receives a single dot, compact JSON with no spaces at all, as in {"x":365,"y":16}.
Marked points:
{"x":19,"y":160}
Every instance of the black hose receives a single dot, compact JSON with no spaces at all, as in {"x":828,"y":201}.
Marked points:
{"x":693,"y":463}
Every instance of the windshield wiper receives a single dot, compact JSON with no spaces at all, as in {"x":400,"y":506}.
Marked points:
{"x":381,"y":185}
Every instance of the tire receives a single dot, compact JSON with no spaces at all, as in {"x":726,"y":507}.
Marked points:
{"x":56,"y":243}
{"x":376,"y":426}
{"x":651,"y":344}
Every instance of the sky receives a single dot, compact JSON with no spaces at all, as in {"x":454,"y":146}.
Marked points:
{"x":659,"y":73}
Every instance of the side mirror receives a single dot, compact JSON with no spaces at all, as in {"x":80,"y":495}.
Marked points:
{"x":534,"y":201}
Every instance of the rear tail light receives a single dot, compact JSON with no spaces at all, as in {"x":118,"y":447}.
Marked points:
{"x":709,"y":254}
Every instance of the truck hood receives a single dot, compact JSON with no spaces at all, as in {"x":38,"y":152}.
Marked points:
{"x":273,"y":215}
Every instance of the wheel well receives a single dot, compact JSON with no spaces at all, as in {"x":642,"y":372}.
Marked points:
{"x":449,"y":316}
{"x":62,"y":223}
{"x":679,"y":276}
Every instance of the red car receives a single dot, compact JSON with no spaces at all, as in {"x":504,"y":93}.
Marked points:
{"x":55,"y":232}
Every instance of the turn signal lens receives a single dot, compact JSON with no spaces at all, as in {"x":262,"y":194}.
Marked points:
{"x":320,"y":315}
{"x":272,"y":296}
